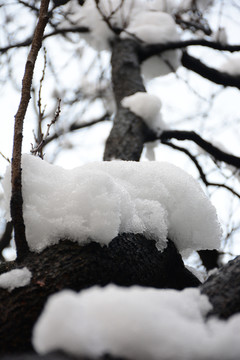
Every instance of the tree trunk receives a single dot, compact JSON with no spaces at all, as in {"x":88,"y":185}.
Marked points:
{"x":128,"y":260}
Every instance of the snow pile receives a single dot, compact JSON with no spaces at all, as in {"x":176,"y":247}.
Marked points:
{"x":135,"y":323}
{"x":155,"y":27}
{"x":97,"y":201}
{"x":147,"y":107}
{"x":146,"y":20}
{"x":15,"y":278}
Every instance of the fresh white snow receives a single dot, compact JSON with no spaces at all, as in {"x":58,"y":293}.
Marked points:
{"x":149,"y":21}
{"x":148,"y":108}
{"x":97,"y":201}
{"x":136,"y":323}
{"x":15,"y":278}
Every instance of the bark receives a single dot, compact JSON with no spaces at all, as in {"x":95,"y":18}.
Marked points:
{"x":17,"y":199}
{"x":129,"y":132}
{"x":216,"y":76}
{"x":223,"y":290}
{"x":128,"y":260}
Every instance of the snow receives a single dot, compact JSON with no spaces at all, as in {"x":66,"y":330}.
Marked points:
{"x":155,"y":27}
{"x":231,"y":66}
{"x":147,"y":107}
{"x":149,"y":21}
{"x":135,"y":323}
{"x":15,"y":278}
{"x":202,"y":5}
{"x":97,"y":201}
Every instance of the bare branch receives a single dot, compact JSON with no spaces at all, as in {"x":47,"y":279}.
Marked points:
{"x":218,"y":154}
{"x":6,"y":158}
{"x":216,"y":76}
{"x":200,"y":170}
{"x":17,"y":200}
{"x":75,"y":127}
{"x":149,"y":50}
{"x":28,"y":41}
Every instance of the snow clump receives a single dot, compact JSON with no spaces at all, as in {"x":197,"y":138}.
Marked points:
{"x":15,"y":278}
{"x":135,"y":323}
{"x":98,"y":201}
{"x":147,"y":21}
{"x":147,"y":107}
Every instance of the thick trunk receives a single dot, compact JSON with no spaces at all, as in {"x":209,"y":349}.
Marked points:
{"x":129,"y":132}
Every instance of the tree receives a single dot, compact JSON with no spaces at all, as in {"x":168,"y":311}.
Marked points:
{"x":129,"y":259}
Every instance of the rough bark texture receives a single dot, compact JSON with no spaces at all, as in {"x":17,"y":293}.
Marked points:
{"x":129,"y":132}
{"x":128,"y":260}
{"x":223,"y":290}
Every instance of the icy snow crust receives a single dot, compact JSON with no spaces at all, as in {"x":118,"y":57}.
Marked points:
{"x":15,"y":278}
{"x":136,"y":323}
{"x":98,"y":201}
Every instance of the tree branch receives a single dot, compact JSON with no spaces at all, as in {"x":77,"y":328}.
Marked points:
{"x":218,"y":154}
{"x":16,"y":199}
{"x":200,"y":170}
{"x":146,"y":51}
{"x":75,"y":127}
{"x":61,"y":31}
{"x":216,"y":76}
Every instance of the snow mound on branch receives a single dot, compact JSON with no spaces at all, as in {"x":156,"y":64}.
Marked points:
{"x":15,"y":278}
{"x":135,"y":323}
{"x":155,"y":27}
{"x":147,"y":107}
{"x":98,"y":201}
{"x":146,"y":20}
{"x":100,"y":33}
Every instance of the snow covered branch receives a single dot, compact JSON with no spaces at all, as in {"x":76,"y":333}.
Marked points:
{"x":76,"y":126}
{"x":28,"y":41}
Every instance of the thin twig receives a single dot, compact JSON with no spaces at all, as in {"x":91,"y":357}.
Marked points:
{"x":39,"y":148}
{"x":17,"y":199}
{"x":200,"y":170}
{"x":6,"y":158}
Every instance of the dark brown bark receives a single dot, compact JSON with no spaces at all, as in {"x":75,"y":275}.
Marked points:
{"x":129,"y":132}
{"x":16,"y":199}
{"x":128,"y":260}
